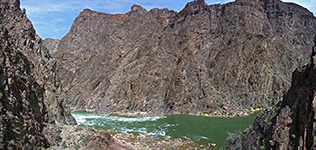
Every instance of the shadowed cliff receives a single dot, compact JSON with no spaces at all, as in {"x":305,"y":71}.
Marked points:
{"x":30,"y":92}
{"x":290,"y":124}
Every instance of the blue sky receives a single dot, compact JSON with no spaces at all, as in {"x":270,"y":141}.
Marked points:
{"x":53,"y":18}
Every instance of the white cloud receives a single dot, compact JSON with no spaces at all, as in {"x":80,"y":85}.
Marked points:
{"x":46,"y":7}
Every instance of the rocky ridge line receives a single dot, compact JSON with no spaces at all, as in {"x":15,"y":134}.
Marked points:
{"x":221,"y":58}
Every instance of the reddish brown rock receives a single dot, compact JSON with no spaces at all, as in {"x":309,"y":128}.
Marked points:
{"x":161,"y":61}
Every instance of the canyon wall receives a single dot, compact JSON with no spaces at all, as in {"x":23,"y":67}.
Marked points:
{"x":205,"y":57}
{"x":30,"y":91}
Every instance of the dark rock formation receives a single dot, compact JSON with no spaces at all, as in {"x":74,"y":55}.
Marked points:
{"x":23,"y":111}
{"x":237,"y":54}
{"x":30,"y":91}
{"x":291,"y":124}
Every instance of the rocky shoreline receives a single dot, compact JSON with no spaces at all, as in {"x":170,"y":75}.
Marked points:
{"x":241,"y":113}
{"x":144,"y":141}
{"x":80,"y":137}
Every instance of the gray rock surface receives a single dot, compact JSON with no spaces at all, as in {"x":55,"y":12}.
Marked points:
{"x":51,"y":45}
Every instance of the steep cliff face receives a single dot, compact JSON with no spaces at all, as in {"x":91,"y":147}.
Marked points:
{"x":291,"y":124}
{"x":202,"y":58}
{"x":23,"y":112}
{"x":29,"y":88}
{"x":23,"y":36}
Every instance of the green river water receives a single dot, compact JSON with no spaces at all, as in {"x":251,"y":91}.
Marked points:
{"x":197,"y":128}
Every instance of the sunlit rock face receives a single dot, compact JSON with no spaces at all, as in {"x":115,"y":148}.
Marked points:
{"x":30,"y":91}
{"x":201,"y":58}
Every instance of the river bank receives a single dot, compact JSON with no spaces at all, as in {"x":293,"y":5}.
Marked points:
{"x":80,"y":137}
{"x":204,"y":131}
{"x":89,"y":136}
{"x":243,"y":113}
{"x":240,"y":112}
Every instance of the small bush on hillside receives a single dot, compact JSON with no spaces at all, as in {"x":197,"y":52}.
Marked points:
{"x":208,"y":112}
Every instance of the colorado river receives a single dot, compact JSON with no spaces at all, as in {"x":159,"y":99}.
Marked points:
{"x":196,"y":128}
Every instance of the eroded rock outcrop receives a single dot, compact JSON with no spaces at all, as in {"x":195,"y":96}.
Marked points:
{"x":51,"y":45}
{"x":237,"y":54}
{"x":291,"y":124}
{"x":78,"y":137}
{"x":30,"y":91}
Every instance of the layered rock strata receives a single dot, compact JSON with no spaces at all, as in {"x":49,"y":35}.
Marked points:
{"x":206,"y":57}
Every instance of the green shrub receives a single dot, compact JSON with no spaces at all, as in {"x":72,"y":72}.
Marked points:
{"x":77,"y":146}
{"x":258,"y":106}
{"x":222,"y":105}
{"x":207,"y":112}
{"x":78,"y":129}
{"x":11,"y":141}
{"x":65,"y":122}
{"x":65,"y":146}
